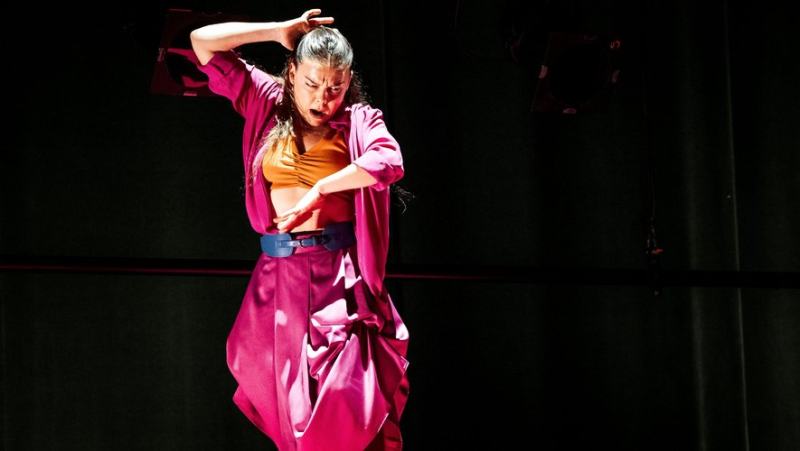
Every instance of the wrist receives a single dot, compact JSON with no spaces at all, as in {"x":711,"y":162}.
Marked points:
{"x":320,"y":190}
{"x":274,"y":30}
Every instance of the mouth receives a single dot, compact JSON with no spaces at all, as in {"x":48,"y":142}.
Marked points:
{"x":316,"y":114}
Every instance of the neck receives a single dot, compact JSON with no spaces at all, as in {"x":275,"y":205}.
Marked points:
{"x":307,"y":129}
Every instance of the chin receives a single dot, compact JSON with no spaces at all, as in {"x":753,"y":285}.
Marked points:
{"x":315,"y":121}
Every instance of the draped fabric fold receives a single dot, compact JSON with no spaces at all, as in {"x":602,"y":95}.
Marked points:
{"x":314,"y":371}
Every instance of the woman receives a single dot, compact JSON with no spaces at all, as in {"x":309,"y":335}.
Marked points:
{"x":318,"y":349}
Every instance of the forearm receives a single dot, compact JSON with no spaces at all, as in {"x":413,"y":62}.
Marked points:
{"x":220,"y":37}
{"x":350,"y":177}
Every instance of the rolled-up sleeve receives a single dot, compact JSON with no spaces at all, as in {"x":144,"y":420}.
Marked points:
{"x":233,"y":78}
{"x":381,"y":156}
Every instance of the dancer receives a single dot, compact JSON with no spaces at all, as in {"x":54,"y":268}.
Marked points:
{"x":318,"y":349}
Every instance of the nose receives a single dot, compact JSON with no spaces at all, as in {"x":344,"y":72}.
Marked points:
{"x":322,"y":97}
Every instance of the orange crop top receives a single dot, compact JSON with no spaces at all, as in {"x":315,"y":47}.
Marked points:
{"x":287,"y":168}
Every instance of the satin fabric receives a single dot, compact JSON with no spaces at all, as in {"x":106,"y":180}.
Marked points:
{"x":314,"y":372}
{"x":381,"y":338}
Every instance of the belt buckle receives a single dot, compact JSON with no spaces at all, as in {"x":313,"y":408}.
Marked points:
{"x":277,"y":245}
{"x":310,"y":241}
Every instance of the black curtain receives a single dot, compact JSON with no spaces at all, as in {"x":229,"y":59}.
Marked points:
{"x":623,"y":278}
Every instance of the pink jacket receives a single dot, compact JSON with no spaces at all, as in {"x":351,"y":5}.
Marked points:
{"x":255,"y":95}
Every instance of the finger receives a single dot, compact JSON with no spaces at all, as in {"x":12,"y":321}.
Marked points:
{"x":282,"y":226}
{"x":285,"y":226}
{"x":321,"y":21}
{"x":287,"y":213}
{"x":312,"y":12}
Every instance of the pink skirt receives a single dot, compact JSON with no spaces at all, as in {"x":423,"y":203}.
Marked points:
{"x":315,"y":370}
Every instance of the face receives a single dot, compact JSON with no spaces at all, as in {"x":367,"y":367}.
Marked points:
{"x":318,"y":90}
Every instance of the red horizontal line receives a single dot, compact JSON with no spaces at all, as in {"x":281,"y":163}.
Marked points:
{"x":653,"y":277}
{"x":126,"y":269}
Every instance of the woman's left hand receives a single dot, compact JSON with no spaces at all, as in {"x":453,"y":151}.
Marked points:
{"x":295,"y":216}
{"x":294,"y":29}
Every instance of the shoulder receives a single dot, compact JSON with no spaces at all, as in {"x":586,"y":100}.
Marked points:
{"x":362,"y":114}
{"x":231,"y":64}
{"x":362,"y":108}
{"x":249,"y":87}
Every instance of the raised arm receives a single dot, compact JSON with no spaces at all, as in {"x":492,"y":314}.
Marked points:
{"x":225,"y":36}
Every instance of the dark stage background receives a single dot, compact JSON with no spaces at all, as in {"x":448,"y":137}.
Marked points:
{"x":578,"y":336}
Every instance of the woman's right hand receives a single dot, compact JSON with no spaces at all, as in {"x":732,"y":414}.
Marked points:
{"x":293,"y":30}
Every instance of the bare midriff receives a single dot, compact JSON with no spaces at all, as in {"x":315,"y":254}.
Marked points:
{"x":292,"y":172}
{"x":335,"y":208}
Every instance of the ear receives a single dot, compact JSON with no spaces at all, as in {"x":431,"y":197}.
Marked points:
{"x":291,"y":73}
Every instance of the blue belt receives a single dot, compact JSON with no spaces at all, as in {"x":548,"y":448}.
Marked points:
{"x":334,"y":237}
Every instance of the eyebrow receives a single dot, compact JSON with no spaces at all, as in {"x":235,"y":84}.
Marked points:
{"x":338,"y":83}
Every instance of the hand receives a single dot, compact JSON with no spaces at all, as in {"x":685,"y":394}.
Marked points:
{"x":291,"y":218}
{"x":294,"y":29}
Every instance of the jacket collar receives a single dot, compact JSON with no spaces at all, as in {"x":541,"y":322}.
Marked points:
{"x":341,"y":120}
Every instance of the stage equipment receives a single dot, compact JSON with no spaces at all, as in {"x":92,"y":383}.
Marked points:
{"x":176,"y":71}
